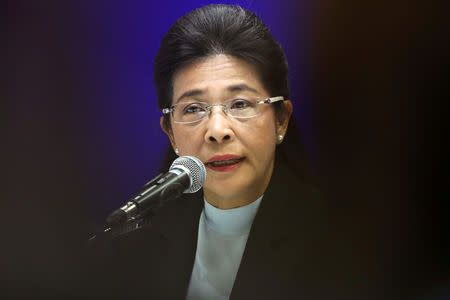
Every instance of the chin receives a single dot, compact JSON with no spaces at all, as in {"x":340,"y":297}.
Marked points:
{"x":227,"y":191}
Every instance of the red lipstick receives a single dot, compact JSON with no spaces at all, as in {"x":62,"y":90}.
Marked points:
{"x":224,"y":163}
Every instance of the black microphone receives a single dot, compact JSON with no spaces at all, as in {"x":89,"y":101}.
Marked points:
{"x":186,"y":175}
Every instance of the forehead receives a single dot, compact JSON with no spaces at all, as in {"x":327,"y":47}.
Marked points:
{"x":214,"y":76}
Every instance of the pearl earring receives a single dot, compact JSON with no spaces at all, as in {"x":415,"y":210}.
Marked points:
{"x":176,"y":151}
{"x":280,"y":137}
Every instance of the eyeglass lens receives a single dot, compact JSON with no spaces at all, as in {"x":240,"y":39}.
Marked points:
{"x":194,"y":111}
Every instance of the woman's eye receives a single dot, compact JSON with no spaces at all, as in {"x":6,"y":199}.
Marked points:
{"x":240,"y":104}
{"x":193,"y":108}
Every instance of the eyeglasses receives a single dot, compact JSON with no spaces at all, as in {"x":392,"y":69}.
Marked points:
{"x":239,"y":108}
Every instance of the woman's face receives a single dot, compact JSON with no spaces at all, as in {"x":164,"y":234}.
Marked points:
{"x":245,"y":146}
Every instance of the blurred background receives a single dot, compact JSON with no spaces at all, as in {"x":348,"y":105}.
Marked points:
{"x":368,"y":83}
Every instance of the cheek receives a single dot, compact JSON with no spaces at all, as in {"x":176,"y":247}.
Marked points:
{"x":186,"y":138}
{"x":263,"y":131}
{"x":260,"y":138}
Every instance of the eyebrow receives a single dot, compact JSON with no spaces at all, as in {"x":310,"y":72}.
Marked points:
{"x":191,"y":93}
{"x":241,"y":87}
{"x":231,"y":88}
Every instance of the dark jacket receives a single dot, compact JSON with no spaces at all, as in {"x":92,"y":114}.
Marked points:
{"x":290,"y":252}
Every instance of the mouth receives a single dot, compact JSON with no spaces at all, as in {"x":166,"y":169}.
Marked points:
{"x":224,"y":163}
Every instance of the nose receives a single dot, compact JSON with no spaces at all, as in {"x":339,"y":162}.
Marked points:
{"x":219,"y":128}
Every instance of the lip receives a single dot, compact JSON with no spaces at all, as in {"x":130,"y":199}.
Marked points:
{"x":226,"y":168}
{"x":223,"y":157}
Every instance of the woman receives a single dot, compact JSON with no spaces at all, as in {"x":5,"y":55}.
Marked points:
{"x":255,"y":230}
{"x":236,"y":141}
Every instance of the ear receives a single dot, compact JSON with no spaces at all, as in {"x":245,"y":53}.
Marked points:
{"x":168,"y":132}
{"x":282,"y":125}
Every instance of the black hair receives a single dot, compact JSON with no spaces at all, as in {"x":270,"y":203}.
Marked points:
{"x":223,"y":29}
{"x":220,"y":29}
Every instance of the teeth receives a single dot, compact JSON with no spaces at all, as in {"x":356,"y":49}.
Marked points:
{"x":225,"y":162}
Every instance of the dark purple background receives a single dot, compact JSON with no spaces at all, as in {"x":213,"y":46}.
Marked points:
{"x":99,"y":55}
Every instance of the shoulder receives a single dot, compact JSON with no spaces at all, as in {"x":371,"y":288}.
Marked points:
{"x":289,"y":191}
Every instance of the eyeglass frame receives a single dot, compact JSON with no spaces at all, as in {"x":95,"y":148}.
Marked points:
{"x":270,"y":100}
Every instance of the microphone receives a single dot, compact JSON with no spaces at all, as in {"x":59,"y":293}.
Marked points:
{"x":186,"y":175}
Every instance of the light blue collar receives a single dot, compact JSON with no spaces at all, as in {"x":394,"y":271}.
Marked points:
{"x":235,"y":221}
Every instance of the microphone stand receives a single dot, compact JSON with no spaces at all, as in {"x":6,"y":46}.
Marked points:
{"x":120,"y":229}
{"x":116,"y":224}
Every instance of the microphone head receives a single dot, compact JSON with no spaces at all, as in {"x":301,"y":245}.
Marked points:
{"x":197,"y":171}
